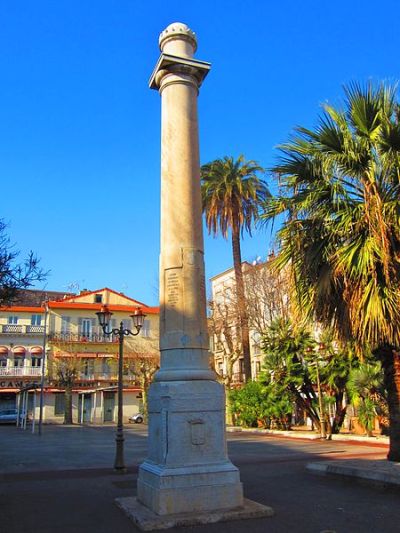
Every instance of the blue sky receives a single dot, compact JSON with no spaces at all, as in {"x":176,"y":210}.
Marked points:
{"x":80,"y":130}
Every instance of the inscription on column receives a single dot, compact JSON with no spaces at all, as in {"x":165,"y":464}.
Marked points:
{"x":172,"y":288}
{"x":173,"y":299}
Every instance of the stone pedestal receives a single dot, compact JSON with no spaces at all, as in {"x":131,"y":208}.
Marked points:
{"x":187,"y":469}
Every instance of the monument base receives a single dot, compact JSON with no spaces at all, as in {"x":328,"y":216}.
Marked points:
{"x":187,"y":469}
{"x":147,"y":520}
{"x":189,"y":489}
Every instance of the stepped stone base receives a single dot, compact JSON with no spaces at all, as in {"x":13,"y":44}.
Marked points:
{"x":147,"y":520}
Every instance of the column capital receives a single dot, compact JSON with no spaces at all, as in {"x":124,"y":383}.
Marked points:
{"x":188,"y":68}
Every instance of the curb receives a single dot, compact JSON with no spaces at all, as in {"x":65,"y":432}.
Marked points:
{"x":310,"y":436}
{"x":373,"y":473}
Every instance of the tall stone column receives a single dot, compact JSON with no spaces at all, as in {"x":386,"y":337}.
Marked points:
{"x":187,"y":477}
{"x":183,"y":328}
{"x":187,"y":469}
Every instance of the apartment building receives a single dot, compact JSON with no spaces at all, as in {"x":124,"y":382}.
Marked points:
{"x":61,"y":331}
{"x":266,"y":298}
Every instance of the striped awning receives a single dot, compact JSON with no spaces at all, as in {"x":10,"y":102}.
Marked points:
{"x":37,"y":350}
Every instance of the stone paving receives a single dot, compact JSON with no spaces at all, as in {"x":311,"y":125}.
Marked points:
{"x":64,"y":482}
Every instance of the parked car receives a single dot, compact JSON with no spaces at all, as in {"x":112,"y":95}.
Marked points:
{"x":136,"y":419}
{"x":9,"y":416}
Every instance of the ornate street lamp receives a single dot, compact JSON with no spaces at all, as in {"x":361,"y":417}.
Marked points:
{"x":104,"y":316}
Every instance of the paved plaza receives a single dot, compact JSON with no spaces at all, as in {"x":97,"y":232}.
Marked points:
{"x":63,"y":482}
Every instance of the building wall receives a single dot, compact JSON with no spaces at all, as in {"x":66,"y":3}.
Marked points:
{"x":223,"y":288}
{"x":97,"y":354}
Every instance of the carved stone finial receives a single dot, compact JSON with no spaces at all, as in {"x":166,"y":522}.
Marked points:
{"x":178,"y":30}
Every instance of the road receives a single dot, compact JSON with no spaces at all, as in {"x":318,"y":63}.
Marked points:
{"x":62,"y":482}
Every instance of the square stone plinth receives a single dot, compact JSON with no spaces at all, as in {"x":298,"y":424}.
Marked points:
{"x":147,"y":520}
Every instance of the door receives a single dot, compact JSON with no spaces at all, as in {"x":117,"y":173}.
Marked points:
{"x":85,"y":408}
{"x":109,"y":406}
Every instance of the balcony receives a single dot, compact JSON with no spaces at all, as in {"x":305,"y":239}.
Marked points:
{"x":20,"y":371}
{"x":104,"y":376}
{"x":96,"y":336}
{"x":15,"y":329}
{"x":238,"y":377}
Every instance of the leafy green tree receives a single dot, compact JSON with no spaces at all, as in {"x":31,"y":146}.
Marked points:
{"x":285,"y":347}
{"x":335,"y":363}
{"x":247,"y":404}
{"x":232,"y":194}
{"x":340,"y":192}
{"x":365,"y":389}
{"x":256,"y":403}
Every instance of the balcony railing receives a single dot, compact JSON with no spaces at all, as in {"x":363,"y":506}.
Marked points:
{"x":20,"y":371}
{"x":112,"y":376}
{"x":95,"y":336}
{"x":238,"y":377}
{"x":12,"y":329}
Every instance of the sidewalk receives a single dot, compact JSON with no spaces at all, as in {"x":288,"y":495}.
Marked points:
{"x":382,"y":472}
{"x":312,"y":435}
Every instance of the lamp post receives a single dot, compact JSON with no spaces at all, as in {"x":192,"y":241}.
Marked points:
{"x":44,"y":365}
{"x":104,"y":317}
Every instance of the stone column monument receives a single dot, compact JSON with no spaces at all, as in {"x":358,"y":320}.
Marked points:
{"x":187,"y":469}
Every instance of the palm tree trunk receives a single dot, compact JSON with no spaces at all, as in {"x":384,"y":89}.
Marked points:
{"x":391,"y":366}
{"x":68,"y":405}
{"x":241,"y":299}
{"x":340,"y":413}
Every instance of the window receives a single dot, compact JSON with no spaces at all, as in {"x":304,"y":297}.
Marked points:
{"x":19,"y":361}
{"x":65,"y":324}
{"x":13,"y":320}
{"x":146,"y":328}
{"x":98,"y":298}
{"x":3,"y":362}
{"x":241,"y":366}
{"x":36,"y":361}
{"x":86,"y":327}
{"x":36,"y":320}
{"x":59,"y":404}
{"x":105,"y":365}
{"x":127,"y":322}
{"x":88,"y":368}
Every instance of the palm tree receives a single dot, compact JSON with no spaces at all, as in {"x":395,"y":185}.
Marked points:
{"x":340,"y":186}
{"x":232,"y":194}
{"x":364,"y":388}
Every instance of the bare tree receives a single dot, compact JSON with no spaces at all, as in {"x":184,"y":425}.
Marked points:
{"x":65,"y":371}
{"x":266,"y":295}
{"x":15,"y":275}
{"x":143,"y":362}
{"x":224,"y":329}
